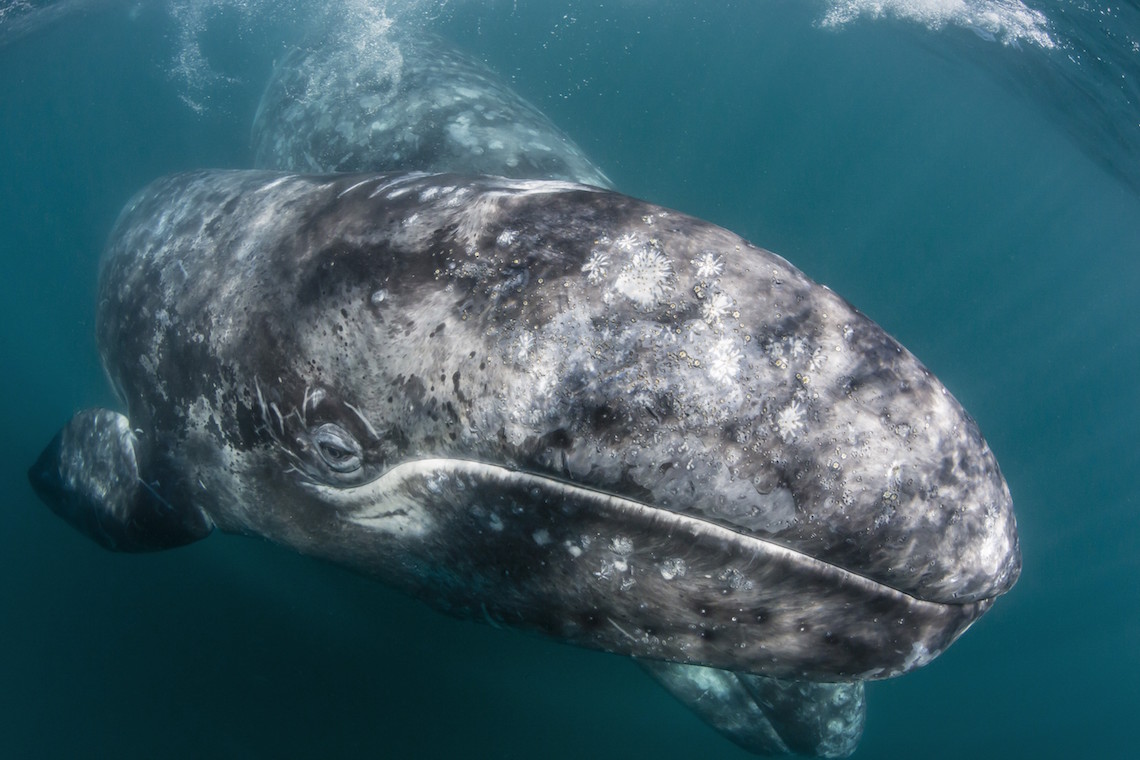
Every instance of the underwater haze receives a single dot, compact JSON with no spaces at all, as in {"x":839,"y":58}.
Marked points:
{"x":965,"y":172}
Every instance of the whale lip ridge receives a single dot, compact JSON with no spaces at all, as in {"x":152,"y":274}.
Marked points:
{"x":386,"y":503}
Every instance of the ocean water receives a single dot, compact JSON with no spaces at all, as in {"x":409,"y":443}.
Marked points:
{"x":965,"y":172}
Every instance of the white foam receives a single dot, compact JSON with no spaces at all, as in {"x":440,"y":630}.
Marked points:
{"x":1010,"y":22}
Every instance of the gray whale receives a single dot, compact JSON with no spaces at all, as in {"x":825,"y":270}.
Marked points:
{"x":539,"y":404}
{"x":406,"y":101}
{"x":402,"y":101}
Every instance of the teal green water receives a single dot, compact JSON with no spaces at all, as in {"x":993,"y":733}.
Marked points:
{"x":968,"y":186}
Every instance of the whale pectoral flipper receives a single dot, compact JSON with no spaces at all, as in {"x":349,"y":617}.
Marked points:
{"x":89,"y":476}
{"x":769,"y":716}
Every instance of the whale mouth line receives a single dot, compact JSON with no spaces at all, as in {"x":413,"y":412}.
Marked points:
{"x":392,"y":503}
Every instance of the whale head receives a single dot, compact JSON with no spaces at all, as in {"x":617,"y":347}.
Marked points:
{"x":542,"y":405}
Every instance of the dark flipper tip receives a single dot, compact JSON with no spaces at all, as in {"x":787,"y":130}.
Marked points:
{"x":89,"y":476}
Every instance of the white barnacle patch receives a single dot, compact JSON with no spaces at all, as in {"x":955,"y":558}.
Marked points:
{"x":621,"y":545}
{"x":708,"y":265}
{"x":735,"y":580}
{"x":777,"y":354}
{"x":596,"y":266}
{"x":724,"y":361}
{"x":716,"y":308}
{"x":790,"y":421}
{"x":646,"y":278}
{"x":614,"y":568}
{"x":817,"y":361}
{"x":523,"y":348}
{"x":798,"y":348}
{"x":673,"y":567}
{"x":507,"y":238}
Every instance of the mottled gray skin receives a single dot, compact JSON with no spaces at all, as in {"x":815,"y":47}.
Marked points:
{"x":555,"y":408}
{"x":443,"y":110}
{"x":406,"y":102}
{"x":769,"y":716}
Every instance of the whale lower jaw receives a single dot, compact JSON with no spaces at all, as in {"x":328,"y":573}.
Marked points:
{"x":529,"y":551}
{"x":389,"y":504}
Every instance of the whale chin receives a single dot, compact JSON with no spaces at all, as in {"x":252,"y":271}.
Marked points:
{"x":601,"y":570}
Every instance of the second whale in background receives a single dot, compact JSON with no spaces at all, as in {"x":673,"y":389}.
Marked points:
{"x":403,"y":102}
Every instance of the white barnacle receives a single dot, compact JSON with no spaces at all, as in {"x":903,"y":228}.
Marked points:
{"x":621,"y":545}
{"x":798,"y":347}
{"x":716,"y":308}
{"x":817,"y":360}
{"x":506,"y":238}
{"x":596,"y":266}
{"x":646,"y":278}
{"x":724,"y":360}
{"x":524,"y":346}
{"x":735,"y":579}
{"x":790,"y":421}
{"x":627,"y":242}
{"x":673,"y":567}
{"x":708,"y":266}
{"x":605,"y":571}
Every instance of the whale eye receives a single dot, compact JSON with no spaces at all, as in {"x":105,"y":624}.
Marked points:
{"x":339,"y":450}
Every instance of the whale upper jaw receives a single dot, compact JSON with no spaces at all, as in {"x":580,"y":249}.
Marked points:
{"x":600,"y":570}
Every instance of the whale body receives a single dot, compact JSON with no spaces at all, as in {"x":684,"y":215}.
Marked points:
{"x":539,"y":404}
{"x":411,"y":101}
